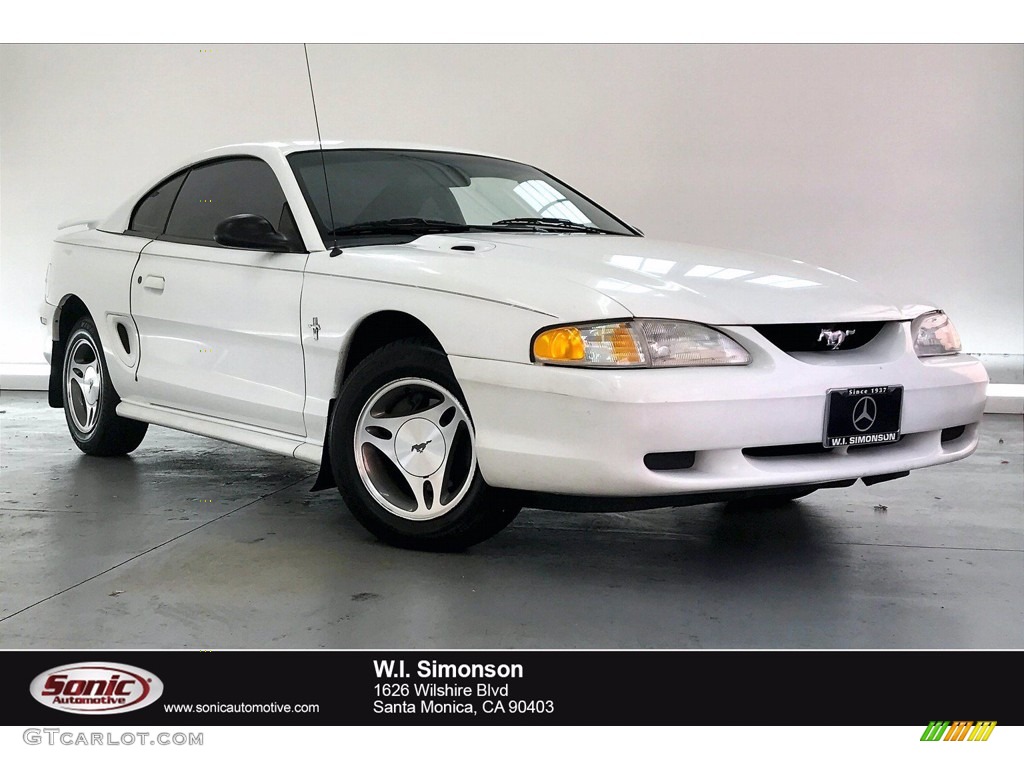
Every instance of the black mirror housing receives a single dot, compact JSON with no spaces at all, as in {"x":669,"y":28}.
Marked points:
{"x":246,"y":230}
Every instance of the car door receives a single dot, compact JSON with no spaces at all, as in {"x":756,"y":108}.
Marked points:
{"x":219,"y":327}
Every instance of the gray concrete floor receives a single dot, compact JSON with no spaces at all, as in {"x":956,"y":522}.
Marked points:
{"x":191,"y":543}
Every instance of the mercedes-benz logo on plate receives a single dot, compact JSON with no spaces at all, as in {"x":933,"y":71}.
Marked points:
{"x":864,"y":414}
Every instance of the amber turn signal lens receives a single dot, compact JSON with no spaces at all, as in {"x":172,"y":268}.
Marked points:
{"x":623,"y":346}
{"x":559,"y":344}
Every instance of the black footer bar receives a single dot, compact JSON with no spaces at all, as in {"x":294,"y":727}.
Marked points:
{"x":700,"y":688}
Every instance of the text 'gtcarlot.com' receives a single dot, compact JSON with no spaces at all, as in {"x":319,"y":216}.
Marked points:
{"x":60,"y":737}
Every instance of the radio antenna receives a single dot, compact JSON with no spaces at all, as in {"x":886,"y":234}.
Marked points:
{"x":323,"y":162}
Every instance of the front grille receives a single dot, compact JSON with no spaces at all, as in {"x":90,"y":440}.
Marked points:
{"x":800,"y":449}
{"x":813,"y":337}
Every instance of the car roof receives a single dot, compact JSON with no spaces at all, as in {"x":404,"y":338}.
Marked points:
{"x":264,"y":148}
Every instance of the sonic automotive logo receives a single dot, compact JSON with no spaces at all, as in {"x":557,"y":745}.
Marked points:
{"x":96,"y":688}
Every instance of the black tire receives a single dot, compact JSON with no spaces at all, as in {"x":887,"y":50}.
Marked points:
{"x":405,"y":409}
{"x":90,"y":397}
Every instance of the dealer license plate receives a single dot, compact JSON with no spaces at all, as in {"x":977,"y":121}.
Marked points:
{"x":863,"y":416}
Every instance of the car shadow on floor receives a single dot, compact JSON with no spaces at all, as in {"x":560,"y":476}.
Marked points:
{"x":746,"y":540}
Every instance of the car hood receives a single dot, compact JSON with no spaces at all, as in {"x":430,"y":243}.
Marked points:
{"x":563,"y":275}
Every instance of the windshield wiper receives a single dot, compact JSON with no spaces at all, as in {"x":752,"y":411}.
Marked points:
{"x":403,"y":226}
{"x":414,"y":225}
{"x":537,"y":222}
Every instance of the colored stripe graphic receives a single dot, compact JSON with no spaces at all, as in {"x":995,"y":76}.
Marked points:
{"x":935,"y":730}
{"x":958,"y":731}
{"x":982,"y":730}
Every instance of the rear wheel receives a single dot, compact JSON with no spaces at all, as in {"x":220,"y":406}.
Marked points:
{"x":90,"y":399}
{"x":403,"y":452}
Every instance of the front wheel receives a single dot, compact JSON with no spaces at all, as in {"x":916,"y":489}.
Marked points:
{"x":403,"y":451}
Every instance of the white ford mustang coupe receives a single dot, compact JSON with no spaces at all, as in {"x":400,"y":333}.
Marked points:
{"x":451,"y":336}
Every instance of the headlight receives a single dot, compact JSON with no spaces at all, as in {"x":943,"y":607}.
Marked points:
{"x":934,"y":334}
{"x":637,"y":344}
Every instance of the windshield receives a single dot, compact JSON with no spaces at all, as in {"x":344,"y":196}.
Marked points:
{"x":401,"y":194}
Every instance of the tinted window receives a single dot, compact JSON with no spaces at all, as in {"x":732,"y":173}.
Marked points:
{"x":150,"y":214}
{"x":471,"y":190}
{"x":225,"y":188}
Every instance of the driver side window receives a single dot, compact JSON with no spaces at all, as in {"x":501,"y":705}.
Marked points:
{"x":214,"y":191}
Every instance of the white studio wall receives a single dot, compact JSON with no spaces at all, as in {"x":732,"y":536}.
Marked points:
{"x":901,"y":164}
{"x":82,"y":127}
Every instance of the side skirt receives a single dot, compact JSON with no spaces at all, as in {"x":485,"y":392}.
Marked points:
{"x":222,"y":429}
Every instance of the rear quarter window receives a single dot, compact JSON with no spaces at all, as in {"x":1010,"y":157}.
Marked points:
{"x":150,"y":214}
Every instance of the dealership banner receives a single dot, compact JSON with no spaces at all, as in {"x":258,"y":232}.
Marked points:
{"x":948,"y":695}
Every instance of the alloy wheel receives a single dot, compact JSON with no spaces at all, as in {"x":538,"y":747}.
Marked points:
{"x":415,"y":449}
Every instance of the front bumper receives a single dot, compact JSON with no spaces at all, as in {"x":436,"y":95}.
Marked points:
{"x":586,"y":432}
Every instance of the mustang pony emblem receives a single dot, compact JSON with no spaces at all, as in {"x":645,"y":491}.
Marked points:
{"x":420,"y":447}
{"x":834,"y":338}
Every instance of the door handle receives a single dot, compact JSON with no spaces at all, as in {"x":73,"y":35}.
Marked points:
{"x":153,"y":282}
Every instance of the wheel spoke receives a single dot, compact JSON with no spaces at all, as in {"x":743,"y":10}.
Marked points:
{"x":416,"y":483}
{"x":436,"y":481}
{"x":76,"y":385}
{"x":386,"y":423}
{"x":380,"y":438}
{"x":454,"y":461}
{"x":438,"y":477}
{"x":76,"y":404}
{"x":435,"y":413}
{"x":386,"y":449}
{"x":78,"y":374}
{"x":91,"y":410}
{"x":452,"y":429}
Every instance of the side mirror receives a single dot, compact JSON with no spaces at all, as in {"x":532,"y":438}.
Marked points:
{"x":247,"y":230}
